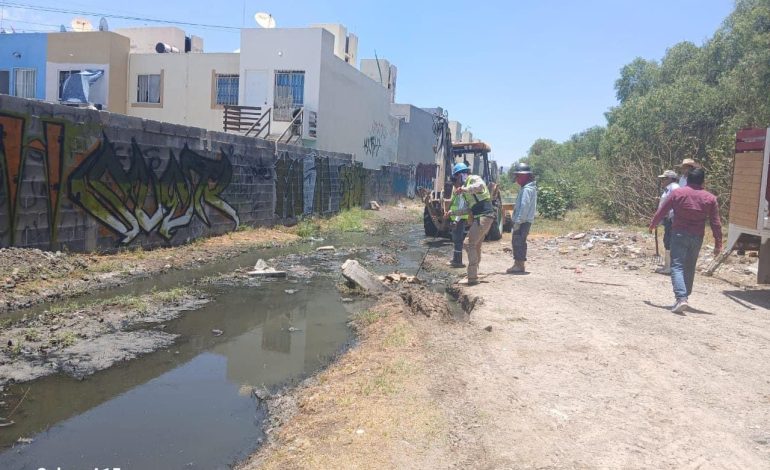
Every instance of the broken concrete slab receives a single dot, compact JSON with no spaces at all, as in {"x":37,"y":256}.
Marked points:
{"x":261,"y":269}
{"x":361,"y":277}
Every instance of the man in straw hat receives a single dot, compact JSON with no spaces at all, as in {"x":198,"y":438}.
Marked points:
{"x":523,"y":216}
{"x":668,"y":181}
{"x":693,"y":206}
{"x":687,"y":165}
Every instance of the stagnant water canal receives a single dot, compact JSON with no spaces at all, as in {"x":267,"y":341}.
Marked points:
{"x":191,"y":406}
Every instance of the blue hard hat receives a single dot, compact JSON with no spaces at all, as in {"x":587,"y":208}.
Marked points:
{"x":459,"y":168}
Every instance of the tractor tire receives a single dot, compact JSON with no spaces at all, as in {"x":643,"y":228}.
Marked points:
{"x":508,"y":224}
{"x":427,"y":222}
{"x":496,"y":231}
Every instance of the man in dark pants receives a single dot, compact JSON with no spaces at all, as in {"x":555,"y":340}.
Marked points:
{"x":523,"y":216}
{"x":459,"y":224}
{"x":669,"y":179}
{"x":693,"y":206}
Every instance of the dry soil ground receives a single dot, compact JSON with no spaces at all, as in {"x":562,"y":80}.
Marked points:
{"x":584,"y":366}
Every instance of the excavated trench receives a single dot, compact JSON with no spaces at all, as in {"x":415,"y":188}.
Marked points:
{"x":190,"y":404}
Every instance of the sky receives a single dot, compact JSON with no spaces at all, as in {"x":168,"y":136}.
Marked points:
{"x":513,"y":71}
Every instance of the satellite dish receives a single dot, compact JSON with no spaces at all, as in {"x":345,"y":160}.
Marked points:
{"x":81,"y":25}
{"x":103,"y":26}
{"x":265,"y":20}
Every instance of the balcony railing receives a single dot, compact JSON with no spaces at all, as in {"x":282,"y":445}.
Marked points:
{"x":247,"y":120}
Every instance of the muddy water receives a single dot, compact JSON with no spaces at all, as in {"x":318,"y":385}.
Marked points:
{"x":191,"y":406}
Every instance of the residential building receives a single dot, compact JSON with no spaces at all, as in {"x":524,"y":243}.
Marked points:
{"x":289,"y":69}
{"x":416,"y":139}
{"x":189,"y":89}
{"x":455,"y":130}
{"x":145,"y":40}
{"x":303,"y":81}
{"x":382,"y":72}
{"x":22,"y":64}
{"x":35,"y":65}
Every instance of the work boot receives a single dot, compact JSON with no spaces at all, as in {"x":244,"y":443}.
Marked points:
{"x":455,"y":264}
{"x":518,"y":267}
{"x":666,"y":268}
{"x":468,"y":282}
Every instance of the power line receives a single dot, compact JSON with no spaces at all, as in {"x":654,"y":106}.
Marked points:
{"x":111,"y":15}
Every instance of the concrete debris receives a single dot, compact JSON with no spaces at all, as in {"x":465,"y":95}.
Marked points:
{"x":325,"y":248}
{"x":359,"y":276}
{"x":263,"y":270}
{"x":262,"y":393}
{"x":397,"y":277}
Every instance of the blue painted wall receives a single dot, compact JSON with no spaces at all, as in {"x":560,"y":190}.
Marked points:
{"x":33,"y":51}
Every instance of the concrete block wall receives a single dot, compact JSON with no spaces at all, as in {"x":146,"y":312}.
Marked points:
{"x":86,"y":180}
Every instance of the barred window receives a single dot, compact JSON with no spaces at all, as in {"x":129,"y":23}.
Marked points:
{"x":227,"y":89}
{"x":289,"y":94}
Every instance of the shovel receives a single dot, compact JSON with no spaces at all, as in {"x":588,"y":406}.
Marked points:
{"x":657,"y":260}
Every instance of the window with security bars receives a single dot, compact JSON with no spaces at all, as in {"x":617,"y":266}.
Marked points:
{"x":148,"y":88}
{"x":24,"y":83}
{"x":289,"y":94}
{"x":227,"y":89}
{"x":63,"y":76}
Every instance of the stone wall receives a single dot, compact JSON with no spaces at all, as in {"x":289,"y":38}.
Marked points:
{"x":86,"y":180}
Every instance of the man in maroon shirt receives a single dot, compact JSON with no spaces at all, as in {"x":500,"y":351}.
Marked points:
{"x":693,"y":206}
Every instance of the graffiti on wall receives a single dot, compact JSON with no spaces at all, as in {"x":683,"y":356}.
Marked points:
{"x":289,"y":192}
{"x":135,"y":200}
{"x":375,"y":139}
{"x":31,"y":165}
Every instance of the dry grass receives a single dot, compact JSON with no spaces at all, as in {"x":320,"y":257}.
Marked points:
{"x":371,"y":409}
{"x":578,"y":220}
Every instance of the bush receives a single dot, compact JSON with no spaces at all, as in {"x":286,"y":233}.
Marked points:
{"x":551,"y":203}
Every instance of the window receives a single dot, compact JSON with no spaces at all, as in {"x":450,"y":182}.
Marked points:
{"x":5,"y":82}
{"x":63,"y":76}
{"x":148,"y":88}
{"x":25,"y":81}
{"x":227,"y":89}
{"x":289,"y":94}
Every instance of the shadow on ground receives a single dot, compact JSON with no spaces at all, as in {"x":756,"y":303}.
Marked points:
{"x":750,"y":299}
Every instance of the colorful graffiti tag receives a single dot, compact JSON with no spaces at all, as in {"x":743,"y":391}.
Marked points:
{"x":84,"y":180}
{"x":134,"y":200}
{"x":31,"y":167}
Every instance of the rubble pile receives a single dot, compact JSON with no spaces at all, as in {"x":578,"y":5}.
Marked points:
{"x":25,"y":264}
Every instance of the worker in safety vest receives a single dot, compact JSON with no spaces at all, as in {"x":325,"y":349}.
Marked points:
{"x":459,"y":223}
{"x":478,"y":203}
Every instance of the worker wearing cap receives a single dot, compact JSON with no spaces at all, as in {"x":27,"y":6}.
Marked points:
{"x":669,"y":181}
{"x":459,"y":224}
{"x":687,"y":165}
{"x":478,"y":202}
{"x":523,"y":216}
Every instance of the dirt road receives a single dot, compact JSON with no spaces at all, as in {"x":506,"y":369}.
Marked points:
{"x":587,"y":368}
{"x":584,"y":367}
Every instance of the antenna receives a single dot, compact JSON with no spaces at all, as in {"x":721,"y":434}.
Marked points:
{"x":81,"y":25}
{"x":103,"y":26}
{"x":265,"y":20}
{"x":376,"y":59}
